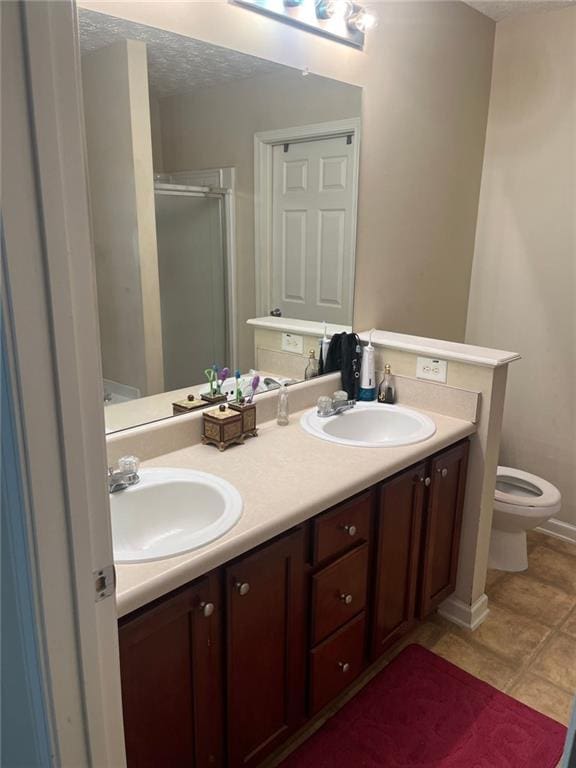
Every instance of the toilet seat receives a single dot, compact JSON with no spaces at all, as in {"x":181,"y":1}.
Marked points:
{"x":545,"y":495}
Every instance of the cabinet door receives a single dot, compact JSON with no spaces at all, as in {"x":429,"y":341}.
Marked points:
{"x":266,"y":648}
{"x":442,"y":526}
{"x":398,"y":525}
{"x":170,"y":661}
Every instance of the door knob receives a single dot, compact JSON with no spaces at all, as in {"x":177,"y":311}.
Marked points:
{"x":346,"y":598}
{"x":443,"y":472}
{"x":351,"y":530}
{"x":276,"y":312}
{"x":207,"y":609}
{"x":425,"y":480}
{"x":242,"y":587}
{"x":344,"y":666}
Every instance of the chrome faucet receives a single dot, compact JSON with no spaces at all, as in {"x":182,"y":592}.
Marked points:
{"x":124,"y":475}
{"x":329,"y":407}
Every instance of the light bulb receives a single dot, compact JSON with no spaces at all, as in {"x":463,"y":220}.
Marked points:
{"x":363,"y":21}
{"x":334,"y":9}
{"x":339,"y":9}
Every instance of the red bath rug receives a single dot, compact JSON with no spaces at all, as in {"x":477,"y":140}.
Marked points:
{"x":423,"y":712}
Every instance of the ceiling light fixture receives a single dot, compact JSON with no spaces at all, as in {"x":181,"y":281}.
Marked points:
{"x":342,"y":20}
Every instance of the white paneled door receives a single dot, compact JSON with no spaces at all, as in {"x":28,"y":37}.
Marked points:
{"x":313,"y":229}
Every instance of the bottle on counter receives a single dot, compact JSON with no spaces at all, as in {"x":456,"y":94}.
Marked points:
{"x":387,"y":390}
{"x":312,"y":367}
{"x":283,"y":414}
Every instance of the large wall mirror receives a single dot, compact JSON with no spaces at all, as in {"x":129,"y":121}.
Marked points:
{"x":223,"y":191}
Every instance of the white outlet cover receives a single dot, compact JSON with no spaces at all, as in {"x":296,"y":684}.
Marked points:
{"x":293,"y":343}
{"x":432,"y":369}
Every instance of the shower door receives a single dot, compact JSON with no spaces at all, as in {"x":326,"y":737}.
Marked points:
{"x":192,"y":271}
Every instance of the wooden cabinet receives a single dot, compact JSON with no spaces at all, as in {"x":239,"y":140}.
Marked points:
{"x":336,"y":662}
{"x":339,"y":529}
{"x":170,"y":661}
{"x":398,"y":537}
{"x":442,"y":526}
{"x":220,"y":673}
{"x":339,"y":593}
{"x":266,"y":643}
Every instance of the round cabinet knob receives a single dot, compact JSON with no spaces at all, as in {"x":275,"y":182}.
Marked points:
{"x":351,"y":530}
{"x":346,"y":598}
{"x":344,"y":666}
{"x":242,"y":587}
{"x":207,"y":609}
{"x":425,"y":481}
{"x":443,"y":472}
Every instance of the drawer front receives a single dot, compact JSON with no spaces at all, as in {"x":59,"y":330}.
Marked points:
{"x":343,"y":527}
{"x":336,"y":663}
{"x":339,"y":593}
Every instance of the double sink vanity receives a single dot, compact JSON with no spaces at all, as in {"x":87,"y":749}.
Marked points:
{"x":310,"y":552}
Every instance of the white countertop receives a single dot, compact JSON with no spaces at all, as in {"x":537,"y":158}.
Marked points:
{"x":438,"y":348}
{"x":285,"y":476}
{"x":294,"y":325}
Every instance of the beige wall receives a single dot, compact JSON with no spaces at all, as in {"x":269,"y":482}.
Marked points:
{"x":214,"y":127}
{"x":523,"y":293}
{"x":117,"y":118}
{"x":426,"y":76}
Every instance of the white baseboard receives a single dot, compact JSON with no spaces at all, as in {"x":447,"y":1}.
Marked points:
{"x":559,"y":529}
{"x":463,"y":614}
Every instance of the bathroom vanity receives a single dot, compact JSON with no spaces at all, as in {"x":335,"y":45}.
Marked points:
{"x":223,"y":670}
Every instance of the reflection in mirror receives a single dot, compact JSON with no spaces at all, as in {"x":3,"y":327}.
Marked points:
{"x":223,"y":191}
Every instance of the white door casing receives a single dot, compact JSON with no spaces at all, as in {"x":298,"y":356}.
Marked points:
{"x":312,"y":249}
{"x":49,"y":300}
{"x":305,"y":201}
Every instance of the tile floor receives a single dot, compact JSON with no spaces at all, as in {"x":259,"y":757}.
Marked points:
{"x":527,"y":645}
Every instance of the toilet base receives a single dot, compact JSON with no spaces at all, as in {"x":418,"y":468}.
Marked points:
{"x":508,"y":551}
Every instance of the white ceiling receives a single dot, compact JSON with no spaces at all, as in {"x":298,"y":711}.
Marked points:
{"x":175,"y":63}
{"x":500,"y":9}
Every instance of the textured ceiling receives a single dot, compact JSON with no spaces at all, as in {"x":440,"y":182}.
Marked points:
{"x":500,"y":9}
{"x":175,"y":63}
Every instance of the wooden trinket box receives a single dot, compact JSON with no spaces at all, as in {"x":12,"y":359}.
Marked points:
{"x":248,"y":411}
{"x":208,"y":398}
{"x":188,"y":405}
{"x":222,"y":427}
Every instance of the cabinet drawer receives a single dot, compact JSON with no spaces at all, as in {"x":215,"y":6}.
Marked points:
{"x":336,"y":663}
{"x":338,"y":530}
{"x":339,"y":593}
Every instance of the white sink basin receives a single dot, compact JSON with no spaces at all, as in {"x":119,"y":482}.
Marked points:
{"x":371,"y":425}
{"x":171,"y":511}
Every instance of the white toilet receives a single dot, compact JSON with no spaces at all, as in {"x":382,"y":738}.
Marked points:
{"x":521,"y":502}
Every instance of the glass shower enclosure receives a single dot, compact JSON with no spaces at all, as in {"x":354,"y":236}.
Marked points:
{"x":190,"y":230}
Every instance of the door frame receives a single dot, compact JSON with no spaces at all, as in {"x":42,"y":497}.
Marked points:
{"x":49,"y":306}
{"x":264,"y":143}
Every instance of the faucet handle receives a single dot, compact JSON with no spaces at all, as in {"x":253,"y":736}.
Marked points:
{"x":324,"y":405}
{"x":129,"y":464}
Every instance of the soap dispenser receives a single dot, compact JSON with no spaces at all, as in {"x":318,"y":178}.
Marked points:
{"x":367,"y":372}
{"x":387,"y":390}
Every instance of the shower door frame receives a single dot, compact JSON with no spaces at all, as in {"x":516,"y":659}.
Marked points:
{"x":227,"y":196}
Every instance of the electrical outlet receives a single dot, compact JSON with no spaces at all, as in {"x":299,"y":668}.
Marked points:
{"x":432,"y":369}
{"x":292,"y":343}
